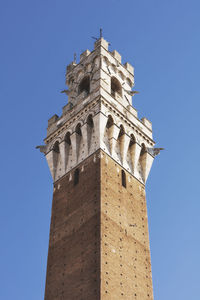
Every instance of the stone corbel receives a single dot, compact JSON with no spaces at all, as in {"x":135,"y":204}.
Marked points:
{"x":52,"y":160}
{"x":114,"y":132}
{"x":102,"y":121}
{"x":124,"y":148}
{"x":86,"y":139}
{"x":97,"y":131}
{"x":135,"y":154}
{"x":146,"y":163}
{"x":63,"y":156}
{"x":74,"y":147}
{"x":49,"y":158}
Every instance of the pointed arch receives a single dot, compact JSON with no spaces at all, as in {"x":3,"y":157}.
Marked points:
{"x":56,"y":159}
{"x":132,"y":140}
{"x":108,"y":133}
{"x":78,"y":139}
{"x":105,"y":60}
{"x":129,"y":82}
{"x":110,"y":122}
{"x":109,"y":126}
{"x":115,"y":87}
{"x":78,"y":129}
{"x":142,"y":160}
{"x":90,"y":121}
{"x":56,"y":147}
{"x":90,"y":129}
{"x":68,"y":149}
{"x":143,"y":149}
{"x":67,"y":138}
{"x":132,"y":152}
{"x":120,"y":142}
{"x":121,"y":75}
{"x":121,"y":132}
{"x":84,"y":85}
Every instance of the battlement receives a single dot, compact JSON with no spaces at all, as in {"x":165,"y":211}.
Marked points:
{"x":99,"y":94}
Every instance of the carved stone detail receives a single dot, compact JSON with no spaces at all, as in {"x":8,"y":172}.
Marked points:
{"x":99,"y":115}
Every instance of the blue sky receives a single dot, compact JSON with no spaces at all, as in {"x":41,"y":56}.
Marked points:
{"x":161,"y":39}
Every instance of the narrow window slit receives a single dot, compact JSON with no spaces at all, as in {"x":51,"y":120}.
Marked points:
{"x":76,"y":176}
{"x":123,"y":178}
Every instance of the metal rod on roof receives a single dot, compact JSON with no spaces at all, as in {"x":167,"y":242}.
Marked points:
{"x":101,"y":30}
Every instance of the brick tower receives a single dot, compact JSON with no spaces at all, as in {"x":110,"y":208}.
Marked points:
{"x":100,"y":155}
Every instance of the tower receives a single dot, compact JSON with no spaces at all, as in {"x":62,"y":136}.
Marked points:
{"x":99,"y":154}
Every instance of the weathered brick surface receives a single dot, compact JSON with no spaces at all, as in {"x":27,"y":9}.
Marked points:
{"x":73,"y":266}
{"x":99,"y":244}
{"x":125,"y":253}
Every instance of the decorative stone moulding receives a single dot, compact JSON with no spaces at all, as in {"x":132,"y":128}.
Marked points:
{"x":99,"y":115}
{"x":95,"y":131}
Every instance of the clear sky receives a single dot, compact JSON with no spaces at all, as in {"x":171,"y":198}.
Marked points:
{"x":161,"y":39}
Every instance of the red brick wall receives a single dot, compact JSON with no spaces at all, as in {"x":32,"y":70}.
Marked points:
{"x":125,"y":253}
{"x":86,"y":262}
{"x":73,"y":266}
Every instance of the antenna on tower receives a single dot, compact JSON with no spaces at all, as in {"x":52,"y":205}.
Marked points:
{"x":101,"y":31}
{"x":100,"y":36}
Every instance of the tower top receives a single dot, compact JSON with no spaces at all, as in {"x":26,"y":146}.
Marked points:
{"x":99,"y":115}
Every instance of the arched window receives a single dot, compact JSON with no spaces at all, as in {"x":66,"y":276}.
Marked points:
{"x":76,"y":176}
{"x":123,"y":174}
{"x":90,"y":128}
{"x":67,"y":139}
{"x":115,"y":87}
{"x":110,"y":122}
{"x":132,"y":141}
{"x":121,"y":132}
{"x":143,"y":150}
{"x":90,"y":121}
{"x":78,"y":129}
{"x":84,"y":85}
{"x":56,"y":147}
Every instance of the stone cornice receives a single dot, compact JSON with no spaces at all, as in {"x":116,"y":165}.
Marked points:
{"x":98,"y":153}
{"x":117,"y":112}
{"x":73,"y":119}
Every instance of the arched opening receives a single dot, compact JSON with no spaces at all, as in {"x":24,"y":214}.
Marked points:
{"x":76,"y":176}
{"x":68,"y":149}
{"x":90,"y":121}
{"x":78,"y":139}
{"x":132,"y":141}
{"x":110,"y":122}
{"x":131,"y":155}
{"x":57,"y":166}
{"x":84,"y":85}
{"x":108,"y":133}
{"x":143,"y":149}
{"x":68,"y":139}
{"x":120,"y":144}
{"x":142,"y":160}
{"x":115,"y":87}
{"x":90,"y":128}
{"x":121,"y":132}
{"x":78,"y":129}
{"x":123,"y":177}
{"x":56,"y":147}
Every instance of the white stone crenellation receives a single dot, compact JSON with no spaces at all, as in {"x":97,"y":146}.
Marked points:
{"x":99,"y":115}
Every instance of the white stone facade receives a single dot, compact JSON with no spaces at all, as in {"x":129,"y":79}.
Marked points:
{"x":99,"y":115}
